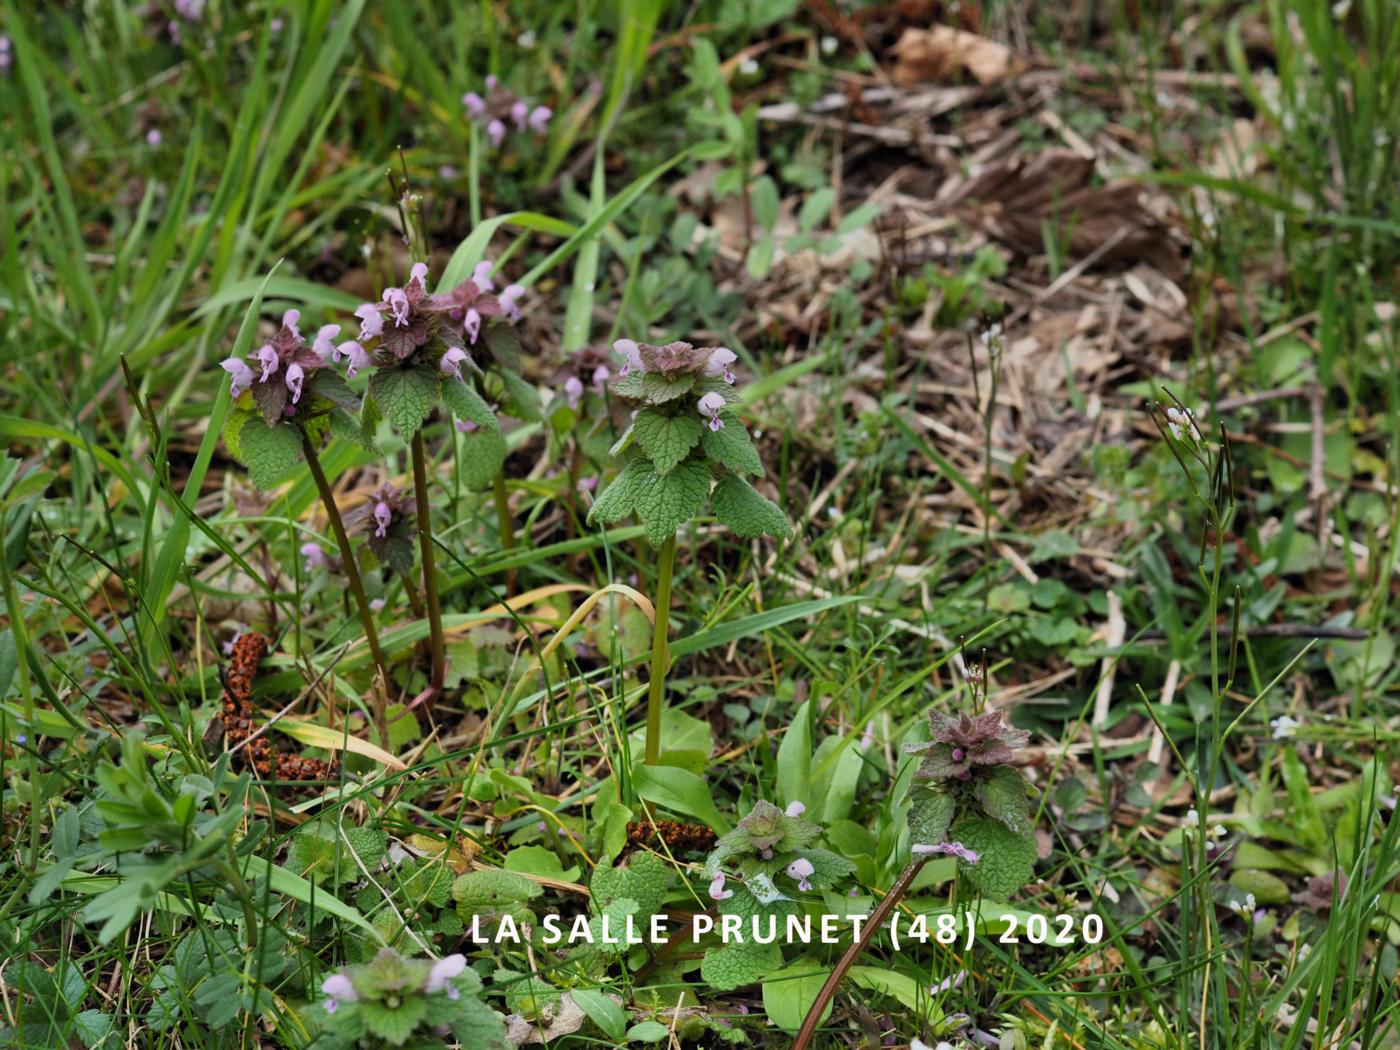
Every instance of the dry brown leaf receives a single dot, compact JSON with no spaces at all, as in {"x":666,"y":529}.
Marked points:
{"x":941,"y":53}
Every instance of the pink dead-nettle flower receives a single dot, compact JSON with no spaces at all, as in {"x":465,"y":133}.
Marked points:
{"x":718,"y":364}
{"x":950,"y":849}
{"x":509,"y":299}
{"x":601,"y":375}
{"x":371,"y":321}
{"x":496,"y":131}
{"x":269,"y":360}
{"x":243,"y":376}
{"x":339,"y":990}
{"x":452,"y":361}
{"x":383,"y":515}
{"x":717,"y":890}
{"x":295,"y":377}
{"x":801,"y":869}
{"x":795,"y":808}
{"x":481,"y":276}
{"x":315,"y":556}
{"x":631,"y":357}
{"x":539,"y":118}
{"x":519,"y":112}
{"x":573,"y":391}
{"x":471,"y":324}
{"x":442,"y":973}
{"x":322,"y":346}
{"x":588,"y":484}
{"x":465,"y":426}
{"x":500,"y":107}
{"x":397,"y":299}
{"x":474,"y":104}
{"x":712,"y":405}
{"x":355,"y":355}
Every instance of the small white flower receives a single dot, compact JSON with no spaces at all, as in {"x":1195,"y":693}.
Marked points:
{"x":748,"y":67}
{"x":795,"y":808}
{"x":526,"y":39}
{"x":1284,"y":727}
{"x":829,"y":45}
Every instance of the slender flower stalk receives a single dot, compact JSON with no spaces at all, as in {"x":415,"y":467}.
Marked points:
{"x":425,"y":549}
{"x":504,"y":524}
{"x":656,"y":687}
{"x":352,"y":574}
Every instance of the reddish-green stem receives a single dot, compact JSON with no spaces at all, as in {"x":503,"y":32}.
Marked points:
{"x":425,"y":549}
{"x":352,"y":575}
{"x":876,"y":920}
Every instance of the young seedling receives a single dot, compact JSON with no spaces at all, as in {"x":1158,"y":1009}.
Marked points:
{"x":581,"y":423}
{"x":287,"y":398}
{"x":968,"y":802}
{"x":392,"y":1000}
{"x":413,"y":340}
{"x":685,"y":447}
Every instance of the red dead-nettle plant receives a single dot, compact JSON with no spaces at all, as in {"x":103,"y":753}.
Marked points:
{"x":685,"y":448}
{"x":287,"y":399}
{"x":416,"y":343}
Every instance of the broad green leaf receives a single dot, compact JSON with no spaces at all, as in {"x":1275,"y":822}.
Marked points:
{"x":269,"y":453}
{"x":603,"y":1011}
{"x":795,"y":758}
{"x":1003,"y":797}
{"x":731,"y":446}
{"x":680,"y":791}
{"x":658,"y":389}
{"x":522,"y":399}
{"x":739,"y":963}
{"x":620,"y":497}
{"x":404,"y":396}
{"x":1005,"y":860}
{"x":483,"y":454}
{"x":737,"y":504}
{"x":466,"y":404}
{"x":665,"y":503}
{"x":666,"y":439}
{"x":792,"y":991}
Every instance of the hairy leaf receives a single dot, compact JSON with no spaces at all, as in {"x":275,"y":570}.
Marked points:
{"x":269,"y":453}
{"x":737,"y":504}
{"x":731,"y":446}
{"x":405,"y":396}
{"x":666,"y":439}
{"x":665,"y":503}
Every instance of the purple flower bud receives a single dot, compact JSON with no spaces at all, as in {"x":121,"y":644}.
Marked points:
{"x":154,"y":137}
{"x":951,"y":849}
{"x":465,"y":426}
{"x":496,"y":132}
{"x":573,"y":391}
{"x":588,"y":484}
{"x":958,"y":754}
{"x":519,"y":112}
{"x":398,"y":305}
{"x":712,"y":405}
{"x":539,"y":117}
{"x":717,"y":890}
{"x":451,"y":363}
{"x":795,"y":808}
{"x":322,"y":346}
{"x":474,"y":103}
{"x":601,"y":375}
{"x":481,"y":276}
{"x":382,"y":516}
{"x":242,"y":375}
{"x":295,"y":375}
{"x":371,"y":321}
{"x":289,"y":322}
{"x":356,"y":354}
{"x":443,"y":971}
{"x":267,"y":357}
{"x":508,"y":300}
{"x":419,"y":274}
{"x":376,"y":604}
{"x":471,"y":324}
